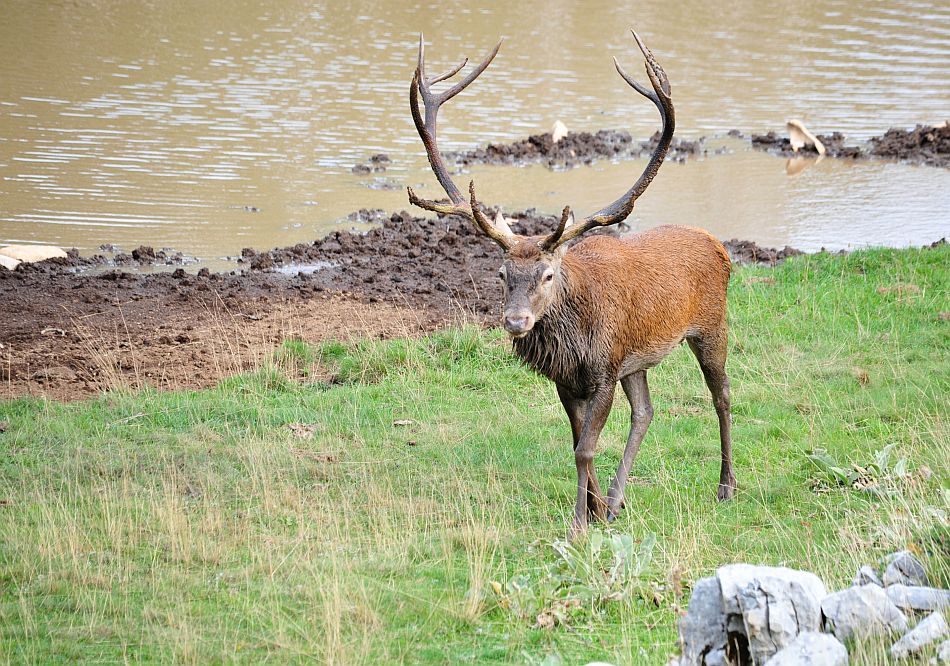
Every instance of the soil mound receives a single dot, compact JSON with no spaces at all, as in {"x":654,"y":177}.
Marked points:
{"x":574,"y":149}
{"x":922,"y":145}
{"x":925,"y":145}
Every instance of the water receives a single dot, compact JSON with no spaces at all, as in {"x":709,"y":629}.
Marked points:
{"x":183,"y":125}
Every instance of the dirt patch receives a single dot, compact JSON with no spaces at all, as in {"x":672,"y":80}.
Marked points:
{"x":925,"y":145}
{"x":75,"y":334}
{"x":834,"y":146}
{"x":377,"y":163}
{"x":574,"y":149}
{"x":747,"y":252}
{"x":922,"y":145}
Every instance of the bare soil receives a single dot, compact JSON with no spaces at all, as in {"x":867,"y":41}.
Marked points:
{"x":574,"y":149}
{"x":75,"y":331}
{"x":924,"y":145}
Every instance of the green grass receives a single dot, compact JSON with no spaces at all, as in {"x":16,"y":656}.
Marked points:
{"x":199,"y":527}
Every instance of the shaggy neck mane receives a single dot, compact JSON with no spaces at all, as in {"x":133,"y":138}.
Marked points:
{"x":558,"y":347}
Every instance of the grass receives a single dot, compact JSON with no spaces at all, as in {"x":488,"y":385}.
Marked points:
{"x":404,"y":501}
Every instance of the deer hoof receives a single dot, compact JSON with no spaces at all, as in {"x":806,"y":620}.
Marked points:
{"x":726,"y":491}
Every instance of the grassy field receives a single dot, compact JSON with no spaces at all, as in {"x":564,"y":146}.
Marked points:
{"x":405,"y":501}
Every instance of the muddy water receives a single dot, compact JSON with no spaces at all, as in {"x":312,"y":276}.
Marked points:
{"x":205,"y":129}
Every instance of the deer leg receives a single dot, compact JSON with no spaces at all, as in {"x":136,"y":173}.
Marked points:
{"x":598,"y":408}
{"x":641,"y":413}
{"x":576,"y":409}
{"x":710,"y":351}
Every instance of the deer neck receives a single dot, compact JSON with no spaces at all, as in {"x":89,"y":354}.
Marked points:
{"x":561,"y":346}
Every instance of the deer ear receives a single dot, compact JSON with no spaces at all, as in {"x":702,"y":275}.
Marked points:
{"x":502,"y":224}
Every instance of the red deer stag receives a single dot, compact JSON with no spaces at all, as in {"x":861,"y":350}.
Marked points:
{"x":606,"y":309}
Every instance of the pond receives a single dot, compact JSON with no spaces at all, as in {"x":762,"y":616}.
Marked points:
{"x":183,"y":125}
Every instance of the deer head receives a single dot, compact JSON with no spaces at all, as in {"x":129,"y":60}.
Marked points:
{"x":531,"y":271}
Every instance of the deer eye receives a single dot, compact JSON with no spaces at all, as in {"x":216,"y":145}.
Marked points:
{"x":548,"y":276}
{"x":501,"y":274}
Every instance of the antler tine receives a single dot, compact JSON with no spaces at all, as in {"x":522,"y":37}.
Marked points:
{"x":426,"y":126}
{"x":620,"y":209}
{"x":551,"y":241}
{"x":486,"y":225}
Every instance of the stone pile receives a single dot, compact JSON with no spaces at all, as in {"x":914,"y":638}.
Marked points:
{"x":749,"y":615}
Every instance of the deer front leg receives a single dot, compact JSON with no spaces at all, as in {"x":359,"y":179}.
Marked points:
{"x":641,"y":413}
{"x":598,"y":408}
{"x":576,"y":409}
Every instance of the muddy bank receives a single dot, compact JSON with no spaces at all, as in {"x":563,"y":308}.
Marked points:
{"x":77,"y":333}
{"x":574,"y":149}
{"x":924,"y":145}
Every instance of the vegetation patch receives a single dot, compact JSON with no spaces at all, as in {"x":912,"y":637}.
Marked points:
{"x":406,"y":501}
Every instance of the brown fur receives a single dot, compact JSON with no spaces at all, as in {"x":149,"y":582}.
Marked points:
{"x":613,"y":309}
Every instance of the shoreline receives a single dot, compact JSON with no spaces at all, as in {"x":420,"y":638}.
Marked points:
{"x":79,"y":332}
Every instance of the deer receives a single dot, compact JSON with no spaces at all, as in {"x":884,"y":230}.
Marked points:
{"x":605,"y":309}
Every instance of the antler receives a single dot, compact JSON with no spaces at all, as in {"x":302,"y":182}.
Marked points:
{"x":620,"y":209}
{"x":421,"y":85}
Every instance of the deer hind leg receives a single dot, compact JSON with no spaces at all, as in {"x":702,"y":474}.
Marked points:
{"x":641,"y":413}
{"x":710,"y":351}
{"x":577,"y":409}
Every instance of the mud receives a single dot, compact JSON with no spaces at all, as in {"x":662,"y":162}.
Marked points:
{"x":925,"y":145}
{"x":834,"y":146}
{"x":76,"y":332}
{"x":574,"y":149}
{"x":376,"y":164}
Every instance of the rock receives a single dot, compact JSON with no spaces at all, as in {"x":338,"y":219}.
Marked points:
{"x":717,"y":658}
{"x":8,"y":262}
{"x":866,"y":575}
{"x":862,"y":611}
{"x":943,"y":652}
{"x":918,"y":599}
{"x":811,"y":649}
{"x":903,"y":568}
{"x":775,"y":605}
{"x":32,"y":253}
{"x":703,"y":628}
{"x":931,"y":629}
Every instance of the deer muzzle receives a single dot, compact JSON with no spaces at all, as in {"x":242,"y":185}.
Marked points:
{"x":518,"y":324}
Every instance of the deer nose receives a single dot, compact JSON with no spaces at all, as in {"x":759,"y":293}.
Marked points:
{"x":519,"y":324}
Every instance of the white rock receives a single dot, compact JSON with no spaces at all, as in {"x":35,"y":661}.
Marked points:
{"x":799,"y":137}
{"x":904,"y":569}
{"x":775,"y":604}
{"x":943,"y":652}
{"x":917,"y":598}
{"x":8,"y":262}
{"x":716,"y":658}
{"x":862,"y":611}
{"x":703,"y":628}
{"x":32,"y":253}
{"x":930,"y":630}
{"x":866,"y":575}
{"x":811,"y":649}
{"x":559,"y":131}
